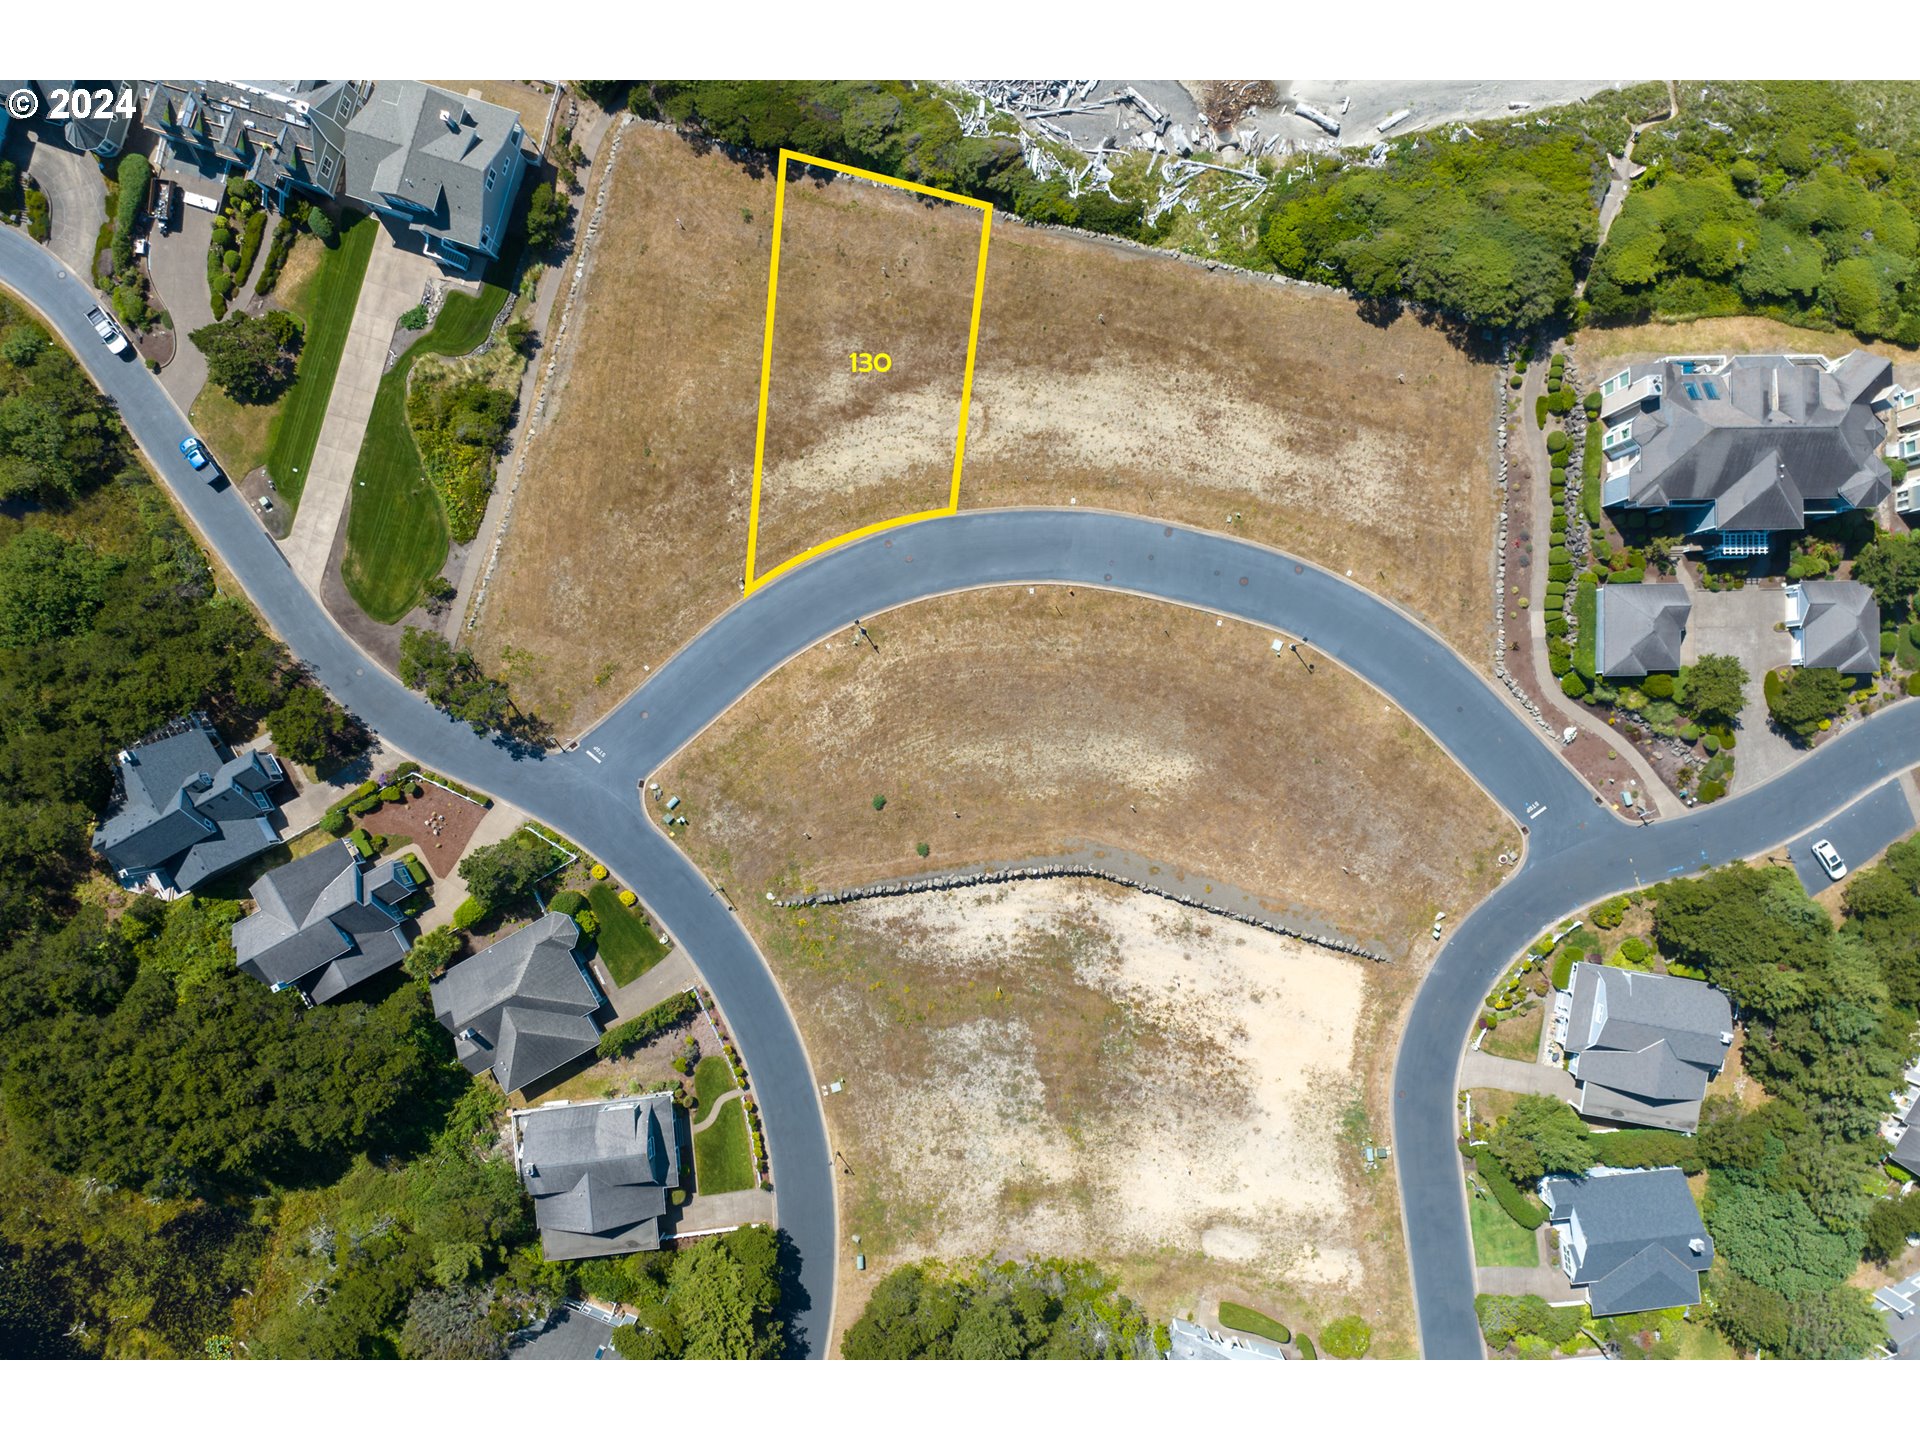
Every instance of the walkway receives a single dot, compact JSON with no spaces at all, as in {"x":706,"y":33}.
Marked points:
{"x":672,"y":976}
{"x":1577,"y":852}
{"x":395,"y":279}
{"x":1481,"y":1071}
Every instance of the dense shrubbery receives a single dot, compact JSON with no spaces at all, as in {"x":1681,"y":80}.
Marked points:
{"x":251,"y":357}
{"x":459,"y":425}
{"x":1053,"y":1309}
{"x":453,"y":680}
{"x":630,"y":1035}
{"x":718,"y":1299}
{"x":1802,"y":702}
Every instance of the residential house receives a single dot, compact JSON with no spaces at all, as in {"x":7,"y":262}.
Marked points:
{"x":1734,"y":452}
{"x":441,"y":164}
{"x":600,"y":1175}
{"x":1638,"y":629}
{"x":284,"y":135}
{"x":1906,"y":1152}
{"x":325,"y":922}
{"x":102,"y":129}
{"x":522,"y":1007}
{"x":185,"y":808}
{"x":1835,"y":625}
{"x":1632,"y":1239}
{"x":1188,"y":1341}
{"x":1900,"y":1304}
{"x":1643,"y":1046}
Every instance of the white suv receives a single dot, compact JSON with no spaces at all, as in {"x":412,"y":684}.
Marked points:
{"x":1829,"y":859}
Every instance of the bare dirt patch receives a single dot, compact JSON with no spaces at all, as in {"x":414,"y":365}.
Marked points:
{"x":1105,"y":376}
{"x":864,"y":270}
{"x":1001,"y":725}
{"x":1065,"y":1068}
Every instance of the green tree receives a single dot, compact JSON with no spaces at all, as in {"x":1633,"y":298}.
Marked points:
{"x":310,"y":728}
{"x":1890,"y":567}
{"x":1713,"y":689}
{"x":451,"y":1324}
{"x":1808,"y":696}
{"x":49,"y":587}
{"x":251,"y":357}
{"x":433,"y":952}
{"x":1773,"y":1239}
{"x":496,"y":873}
{"x":1541,"y":1136}
{"x":548,"y":211}
{"x":1347,"y":1338}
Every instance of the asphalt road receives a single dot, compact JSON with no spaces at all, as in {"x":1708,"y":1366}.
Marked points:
{"x":1578,"y":851}
{"x":1858,"y":833}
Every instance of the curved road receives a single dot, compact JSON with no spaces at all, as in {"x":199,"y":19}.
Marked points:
{"x":1577,"y":850}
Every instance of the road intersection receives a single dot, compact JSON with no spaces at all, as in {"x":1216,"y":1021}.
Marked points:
{"x":1577,"y":850}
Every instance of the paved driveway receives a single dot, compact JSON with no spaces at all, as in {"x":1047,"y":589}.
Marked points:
{"x":395,"y":278}
{"x":76,"y":195}
{"x":1740,"y":623}
{"x":1481,"y":1071}
{"x":1859,"y":832}
{"x":177,"y":265}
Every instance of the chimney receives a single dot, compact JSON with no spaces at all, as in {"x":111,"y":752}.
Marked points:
{"x":1697,"y":1245}
{"x":446,"y":119}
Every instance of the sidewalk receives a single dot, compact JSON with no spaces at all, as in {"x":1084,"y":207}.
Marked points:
{"x":395,"y":279}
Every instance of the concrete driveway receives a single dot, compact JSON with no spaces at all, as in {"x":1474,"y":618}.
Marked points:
{"x":1740,"y":623}
{"x":1859,"y":832}
{"x":76,"y":195}
{"x":177,"y":266}
{"x":395,"y":279}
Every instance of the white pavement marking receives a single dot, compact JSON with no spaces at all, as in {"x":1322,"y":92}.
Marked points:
{"x":395,"y":278}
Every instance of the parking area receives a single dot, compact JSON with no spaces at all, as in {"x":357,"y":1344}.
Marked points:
{"x":1859,"y":833}
{"x":76,"y":193}
{"x":1741,"y":623}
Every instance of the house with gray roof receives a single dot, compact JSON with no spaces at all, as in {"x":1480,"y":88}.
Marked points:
{"x":1632,"y":1239}
{"x":1638,"y":629}
{"x":522,"y":1007}
{"x":1643,"y":1047}
{"x":1734,"y":451}
{"x":1906,"y":1152}
{"x":1900,"y":1306}
{"x":443,"y":165}
{"x":324,"y":923}
{"x":185,"y":808}
{"x":1188,"y":1341}
{"x":103,"y":129}
{"x":284,"y":135}
{"x":1834,"y":625}
{"x":600,"y":1175}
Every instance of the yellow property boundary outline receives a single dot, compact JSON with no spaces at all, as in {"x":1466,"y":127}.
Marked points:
{"x":753,"y":580}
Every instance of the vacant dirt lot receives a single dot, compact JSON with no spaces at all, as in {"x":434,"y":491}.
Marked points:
{"x":1066,"y":1068}
{"x":1058,"y":717}
{"x":1105,"y":376}
{"x":864,"y":269}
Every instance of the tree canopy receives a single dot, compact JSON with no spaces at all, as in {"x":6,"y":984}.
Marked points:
{"x":1051,"y":1310}
{"x":251,"y":357}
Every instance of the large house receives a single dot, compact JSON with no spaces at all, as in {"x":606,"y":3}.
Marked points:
{"x":1834,"y":624}
{"x":1643,"y":1046}
{"x":1732,"y":452}
{"x":325,"y":922}
{"x":1639,"y":629}
{"x":102,"y":129}
{"x":284,"y":135}
{"x":443,"y":165}
{"x":1632,"y":1239}
{"x":600,"y":1175}
{"x":522,"y":1007}
{"x":185,"y":808}
{"x":1900,"y":1304}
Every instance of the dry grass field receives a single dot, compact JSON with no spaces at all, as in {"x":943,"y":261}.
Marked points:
{"x":864,"y":269}
{"x":1728,"y":335}
{"x":1058,"y":717}
{"x":1105,"y":376}
{"x":1067,"y":1068}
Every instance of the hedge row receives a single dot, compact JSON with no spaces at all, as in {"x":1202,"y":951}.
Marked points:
{"x":1527,"y":1212}
{"x":625,"y":1038}
{"x":1647,"y":1150}
{"x":1563,"y":970}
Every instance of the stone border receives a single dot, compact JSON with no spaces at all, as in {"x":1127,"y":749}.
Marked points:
{"x":886,"y":889}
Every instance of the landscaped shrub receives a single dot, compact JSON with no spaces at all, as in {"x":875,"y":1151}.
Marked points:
{"x":1557,"y":443}
{"x":1710,"y":792}
{"x":284,"y":235}
{"x":624,"y":1038}
{"x":1572,"y":686}
{"x":335,"y":822}
{"x":1563,"y":970}
{"x":1889,"y":643}
{"x":469,"y":913}
{"x":134,"y":175}
{"x":1634,"y":950}
{"x":568,"y":902}
{"x":390,"y":794}
{"x":1558,"y":555}
{"x":321,"y":227}
{"x":1608,"y":913}
{"x":1561,"y":401}
{"x":250,"y":246}
{"x":1559,"y":656}
{"x":1305,"y":1346}
{"x":1626,"y":577}
{"x":1913,"y":683}
{"x":1556,"y":625}
{"x":1558,"y":524}
{"x":1556,"y":587}
{"x":628,"y":898}
{"x":1526,"y":1210}
{"x":1347,"y":1338}
{"x":597,"y":870}
{"x":1646,"y":1150}
{"x":1592,"y":404}
{"x":1539,"y":412}
{"x":365,"y":805}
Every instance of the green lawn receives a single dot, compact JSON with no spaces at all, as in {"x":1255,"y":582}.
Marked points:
{"x":722,"y":1155}
{"x":1516,"y":1038}
{"x":396,"y":528}
{"x":1497,"y":1238}
{"x":1239,"y":1317}
{"x":627,"y":944}
{"x":330,"y":298}
{"x":712,"y":1078}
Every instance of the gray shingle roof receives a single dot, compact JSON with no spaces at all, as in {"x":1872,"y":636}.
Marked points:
{"x":1644,"y":1046}
{"x":295,"y":130}
{"x":1770,"y":437}
{"x":1841,"y":630}
{"x":319,"y":923}
{"x":1907,"y":1153}
{"x":523,"y":1006}
{"x":429,"y":150}
{"x":1641,"y":628}
{"x":599,"y":1174}
{"x":188,"y":810}
{"x":1633,"y":1238}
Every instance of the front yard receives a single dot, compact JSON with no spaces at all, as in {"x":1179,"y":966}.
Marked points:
{"x":627,"y":943}
{"x":722,"y":1155}
{"x":1498,"y":1239}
